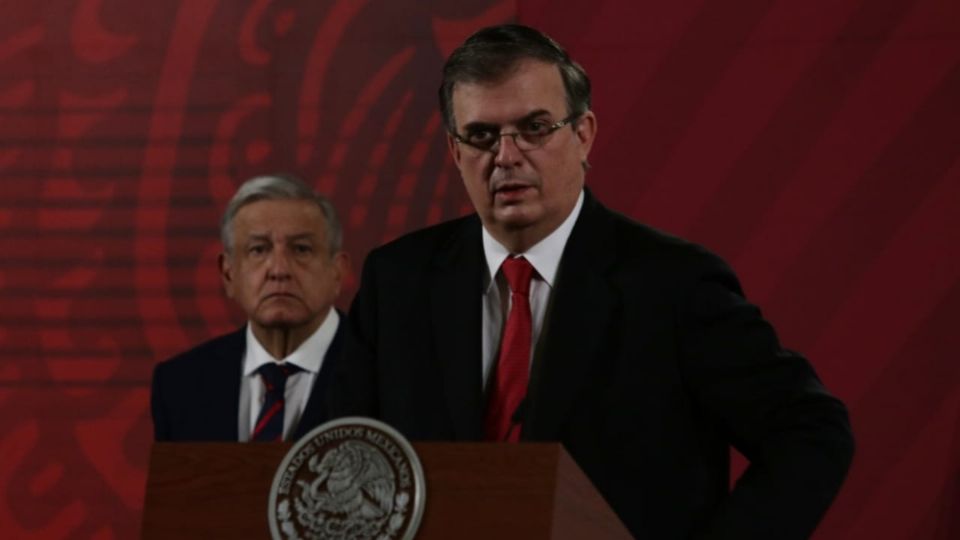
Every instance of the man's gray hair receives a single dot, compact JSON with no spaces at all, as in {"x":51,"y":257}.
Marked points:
{"x":273,"y":187}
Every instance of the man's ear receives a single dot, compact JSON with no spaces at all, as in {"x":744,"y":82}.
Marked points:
{"x":454,"y":148}
{"x":226,"y":273}
{"x":586,"y":132}
{"x":341,"y":266}
{"x":341,"y":261}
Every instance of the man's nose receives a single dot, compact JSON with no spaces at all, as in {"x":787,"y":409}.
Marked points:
{"x":507,"y":152}
{"x":278,"y":266}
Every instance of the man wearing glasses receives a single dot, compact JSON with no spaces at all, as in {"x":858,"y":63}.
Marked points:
{"x":547,"y":317}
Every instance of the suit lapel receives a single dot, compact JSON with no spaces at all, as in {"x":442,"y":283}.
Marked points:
{"x":455,"y":307}
{"x":315,"y":412}
{"x":223,"y":403}
{"x":576,"y":324}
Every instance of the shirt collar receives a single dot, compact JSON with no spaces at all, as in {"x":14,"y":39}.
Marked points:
{"x":544,"y":256}
{"x":308,"y":356}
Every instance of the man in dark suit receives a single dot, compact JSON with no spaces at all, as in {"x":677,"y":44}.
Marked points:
{"x":267,"y":381}
{"x":638,"y":350}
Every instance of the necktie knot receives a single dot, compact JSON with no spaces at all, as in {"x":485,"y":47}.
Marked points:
{"x":518,"y":272}
{"x":275,"y":375}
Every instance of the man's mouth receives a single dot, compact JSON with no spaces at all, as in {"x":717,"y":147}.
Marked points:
{"x":279,"y":295}
{"x":510,"y":188}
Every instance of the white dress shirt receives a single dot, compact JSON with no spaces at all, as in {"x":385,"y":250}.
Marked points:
{"x":544,"y":256}
{"x":308,"y":357}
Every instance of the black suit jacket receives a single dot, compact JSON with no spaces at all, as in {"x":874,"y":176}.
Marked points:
{"x":195,"y":396}
{"x":650,"y":366}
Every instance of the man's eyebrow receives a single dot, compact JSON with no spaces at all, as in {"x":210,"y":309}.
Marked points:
{"x":534,"y":114}
{"x":258,"y":237}
{"x":478,"y":126}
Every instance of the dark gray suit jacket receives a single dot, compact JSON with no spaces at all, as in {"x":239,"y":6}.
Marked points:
{"x":195,"y":395}
{"x":651,"y":365}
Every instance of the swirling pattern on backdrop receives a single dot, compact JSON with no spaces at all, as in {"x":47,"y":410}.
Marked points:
{"x":814,"y":144}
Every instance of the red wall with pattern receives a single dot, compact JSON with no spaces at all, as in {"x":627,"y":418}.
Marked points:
{"x":815,"y":144}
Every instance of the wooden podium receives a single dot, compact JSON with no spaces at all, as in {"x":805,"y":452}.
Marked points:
{"x":474,"y":490}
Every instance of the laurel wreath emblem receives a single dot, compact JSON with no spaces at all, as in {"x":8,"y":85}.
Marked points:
{"x":348,"y":491}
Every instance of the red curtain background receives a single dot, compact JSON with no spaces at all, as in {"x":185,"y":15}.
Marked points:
{"x":815,"y":144}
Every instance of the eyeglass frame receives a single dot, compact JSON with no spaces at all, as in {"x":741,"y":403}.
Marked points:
{"x":495,"y":147}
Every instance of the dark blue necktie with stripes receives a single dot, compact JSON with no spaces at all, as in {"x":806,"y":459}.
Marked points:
{"x":269,"y":425}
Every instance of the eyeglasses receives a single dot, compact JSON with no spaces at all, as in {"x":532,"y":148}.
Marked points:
{"x":530,"y":134}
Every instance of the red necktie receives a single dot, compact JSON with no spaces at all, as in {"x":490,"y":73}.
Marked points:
{"x":513,"y":365}
{"x":269,"y":425}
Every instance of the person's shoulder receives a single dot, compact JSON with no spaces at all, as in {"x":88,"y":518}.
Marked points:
{"x":419,"y":245}
{"x":206,"y":351}
{"x":641,"y":238}
{"x":639,"y":244}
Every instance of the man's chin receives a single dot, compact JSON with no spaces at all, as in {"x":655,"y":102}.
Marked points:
{"x":515,"y":218}
{"x":282,"y":320}
{"x":280,"y":324}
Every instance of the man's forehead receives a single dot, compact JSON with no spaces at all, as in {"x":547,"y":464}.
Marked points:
{"x":529,"y":86}
{"x":268,"y":234}
{"x":281,"y":205}
{"x":278,"y":211}
{"x":285,"y":217}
